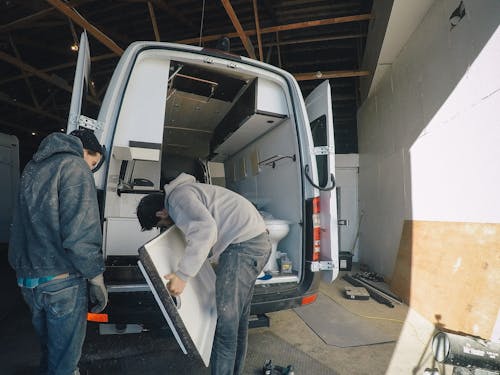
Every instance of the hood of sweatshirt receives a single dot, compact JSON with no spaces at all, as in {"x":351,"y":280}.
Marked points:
{"x":56,"y":143}
{"x":181,"y":179}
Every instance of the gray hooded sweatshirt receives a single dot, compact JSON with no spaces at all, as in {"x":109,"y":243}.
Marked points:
{"x":56,"y":226}
{"x":211,"y":218}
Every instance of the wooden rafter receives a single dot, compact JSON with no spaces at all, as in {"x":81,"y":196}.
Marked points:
{"x":292,"y":26}
{"x":51,"y":79}
{"x":105,"y":56}
{"x":6,"y":99}
{"x":330,"y":74}
{"x":23,"y":73}
{"x":153,"y":21}
{"x":257,"y":29}
{"x":94,"y":31}
{"x":239,"y":29}
{"x":33,"y":17}
{"x":173,"y":12}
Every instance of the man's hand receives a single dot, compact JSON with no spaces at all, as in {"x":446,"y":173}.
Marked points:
{"x":176,"y":285}
{"x":98,"y":294}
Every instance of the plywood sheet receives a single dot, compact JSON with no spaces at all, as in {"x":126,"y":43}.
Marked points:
{"x":450,"y":273}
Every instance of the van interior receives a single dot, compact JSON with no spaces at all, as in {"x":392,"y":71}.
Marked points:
{"x":228,"y":127}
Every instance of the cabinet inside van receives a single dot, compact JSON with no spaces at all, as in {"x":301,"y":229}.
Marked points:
{"x":229,"y":121}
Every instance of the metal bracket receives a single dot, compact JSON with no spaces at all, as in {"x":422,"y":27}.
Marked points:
{"x":326,"y":265}
{"x":89,"y":123}
{"x":324,"y":150}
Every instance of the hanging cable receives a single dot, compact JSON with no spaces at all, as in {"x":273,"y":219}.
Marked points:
{"x":201,"y":23}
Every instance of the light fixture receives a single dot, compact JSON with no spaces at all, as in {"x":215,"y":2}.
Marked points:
{"x":62,"y":129}
{"x":33,"y":133}
{"x":74,"y":47}
{"x":457,"y":15}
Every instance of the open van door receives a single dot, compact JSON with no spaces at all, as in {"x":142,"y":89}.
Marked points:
{"x":192,"y":316}
{"x":80,"y":84}
{"x":319,"y":111}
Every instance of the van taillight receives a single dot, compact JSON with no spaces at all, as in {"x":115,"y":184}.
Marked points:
{"x":316,"y":229}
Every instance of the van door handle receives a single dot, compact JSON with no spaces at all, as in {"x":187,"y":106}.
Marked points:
{"x":324,"y":188}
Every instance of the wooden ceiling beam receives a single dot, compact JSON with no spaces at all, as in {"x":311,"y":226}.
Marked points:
{"x":153,"y":21}
{"x":257,"y":29}
{"x":173,"y":12}
{"x":292,"y":26}
{"x":23,"y":73}
{"x":330,"y":74}
{"x":33,"y":17}
{"x":80,"y":20}
{"x":6,"y":99}
{"x":105,"y":56}
{"x":55,"y":80}
{"x":239,"y":29}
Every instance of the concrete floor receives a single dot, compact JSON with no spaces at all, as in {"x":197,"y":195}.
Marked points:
{"x":410,"y":354}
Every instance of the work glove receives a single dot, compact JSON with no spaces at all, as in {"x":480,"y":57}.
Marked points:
{"x":98,"y":294}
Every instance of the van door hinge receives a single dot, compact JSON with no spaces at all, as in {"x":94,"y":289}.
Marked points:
{"x":326,"y":265}
{"x":324,"y":150}
{"x":89,"y":123}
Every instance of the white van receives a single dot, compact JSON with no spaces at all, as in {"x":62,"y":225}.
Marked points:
{"x":227,"y":120}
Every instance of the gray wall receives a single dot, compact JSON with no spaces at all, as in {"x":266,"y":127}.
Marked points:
{"x":429,"y":133}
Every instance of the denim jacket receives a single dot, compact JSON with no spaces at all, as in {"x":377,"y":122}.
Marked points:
{"x":56,"y":226}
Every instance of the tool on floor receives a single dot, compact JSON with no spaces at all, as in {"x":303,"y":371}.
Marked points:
{"x":386,"y":293}
{"x":270,"y":369}
{"x":356,"y":292}
{"x":373,"y":293}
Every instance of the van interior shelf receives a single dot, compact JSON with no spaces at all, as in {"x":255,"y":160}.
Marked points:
{"x":248,"y":119}
{"x":273,"y":159}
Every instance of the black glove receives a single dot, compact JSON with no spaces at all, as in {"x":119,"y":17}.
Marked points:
{"x":98,"y":294}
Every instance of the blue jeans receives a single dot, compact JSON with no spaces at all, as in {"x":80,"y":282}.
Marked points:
{"x":238,"y":268}
{"x":59,"y":315}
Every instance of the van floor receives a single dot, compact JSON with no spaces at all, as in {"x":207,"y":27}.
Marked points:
{"x":288,"y":340}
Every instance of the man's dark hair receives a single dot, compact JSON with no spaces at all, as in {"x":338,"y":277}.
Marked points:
{"x":89,"y":140}
{"x":147,"y":209}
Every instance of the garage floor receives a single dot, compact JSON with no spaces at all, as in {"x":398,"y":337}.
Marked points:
{"x":288,"y":340}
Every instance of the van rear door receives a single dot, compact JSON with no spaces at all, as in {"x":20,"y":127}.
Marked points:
{"x":80,"y":83}
{"x":319,"y":111}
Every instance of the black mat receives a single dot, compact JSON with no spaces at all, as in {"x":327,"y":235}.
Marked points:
{"x":337,"y":326}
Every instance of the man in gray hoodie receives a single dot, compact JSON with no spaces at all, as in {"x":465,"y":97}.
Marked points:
{"x":219,"y":223}
{"x":55,"y":245}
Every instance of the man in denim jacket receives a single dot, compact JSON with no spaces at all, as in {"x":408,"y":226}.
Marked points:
{"x":220,"y":223}
{"x":55,"y":245}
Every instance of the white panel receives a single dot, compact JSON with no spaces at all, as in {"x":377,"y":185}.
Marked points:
{"x":143,"y":108}
{"x":271,"y":98}
{"x":196,"y":306}
{"x":347,"y":185}
{"x":124,"y":236}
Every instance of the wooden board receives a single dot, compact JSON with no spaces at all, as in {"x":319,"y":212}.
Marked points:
{"x":450,"y":273}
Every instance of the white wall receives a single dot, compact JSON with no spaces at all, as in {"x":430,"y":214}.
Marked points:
{"x":429,"y":135}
